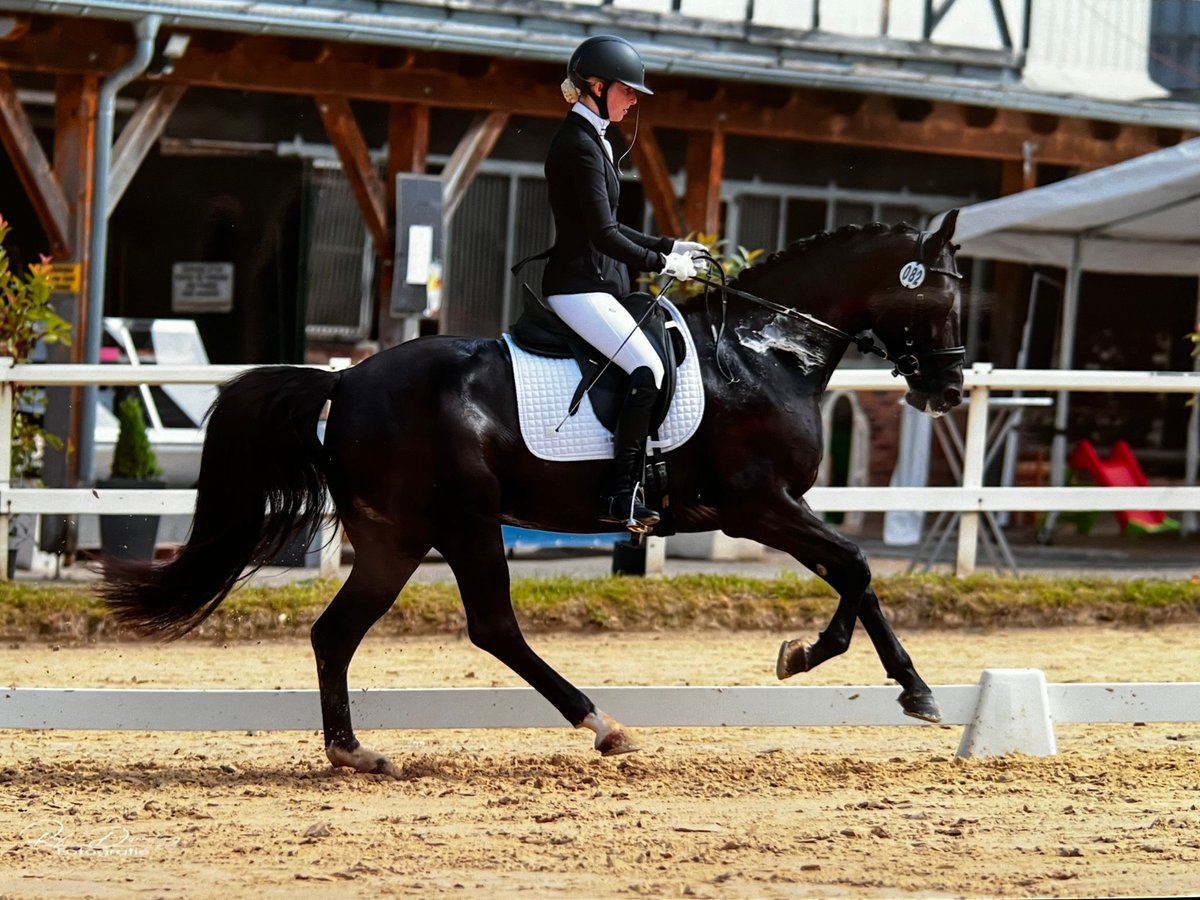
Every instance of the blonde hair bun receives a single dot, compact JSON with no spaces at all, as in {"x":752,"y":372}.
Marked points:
{"x":569,"y":91}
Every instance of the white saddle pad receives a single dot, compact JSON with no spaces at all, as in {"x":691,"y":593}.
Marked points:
{"x":544,"y":390}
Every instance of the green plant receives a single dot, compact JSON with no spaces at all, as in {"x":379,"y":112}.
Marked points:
{"x":133,"y":457}
{"x":1194,"y":337}
{"x":732,"y":261}
{"x":27,"y":318}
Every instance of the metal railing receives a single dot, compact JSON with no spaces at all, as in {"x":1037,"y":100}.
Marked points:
{"x":971,"y":499}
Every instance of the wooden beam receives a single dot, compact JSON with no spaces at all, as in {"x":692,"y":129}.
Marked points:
{"x":702,"y":197}
{"x":657,"y":184}
{"x":259,"y":63}
{"x":76,"y":100}
{"x":874,"y":123}
{"x":408,"y":138}
{"x":144,"y":127}
{"x":408,"y":149}
{"x":17,"y":135}
{"x":352,"y":150}
{"x":475,"y":146}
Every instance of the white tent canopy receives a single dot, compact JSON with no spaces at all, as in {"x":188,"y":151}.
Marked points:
{"x":1141,"y":217}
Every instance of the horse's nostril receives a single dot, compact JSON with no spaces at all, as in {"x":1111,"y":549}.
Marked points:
{"x":952,"y":396}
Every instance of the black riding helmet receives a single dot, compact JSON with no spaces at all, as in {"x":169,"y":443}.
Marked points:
{"x":609,"y":58}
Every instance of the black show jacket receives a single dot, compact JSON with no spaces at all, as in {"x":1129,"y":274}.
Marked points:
{"x":590,"y":244}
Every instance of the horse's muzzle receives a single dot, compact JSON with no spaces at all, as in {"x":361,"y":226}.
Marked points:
{"x":936,"y":403}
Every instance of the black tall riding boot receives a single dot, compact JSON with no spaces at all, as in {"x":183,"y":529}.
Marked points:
{"x":621,"y":503}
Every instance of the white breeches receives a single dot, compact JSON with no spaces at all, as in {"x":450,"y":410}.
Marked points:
{"x":605,"y":324}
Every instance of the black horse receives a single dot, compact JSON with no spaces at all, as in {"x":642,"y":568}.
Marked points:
{"x":422,"y":450}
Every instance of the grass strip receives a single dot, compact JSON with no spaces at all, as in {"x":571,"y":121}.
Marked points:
{"x":64,"y":611}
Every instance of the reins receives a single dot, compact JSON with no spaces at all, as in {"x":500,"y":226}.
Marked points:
{"x":864,"y":343}
{"x":906,"y":365}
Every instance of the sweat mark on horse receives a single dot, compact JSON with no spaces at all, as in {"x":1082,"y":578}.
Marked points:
{"x":422,"y":451}
{"x":774,"y":336}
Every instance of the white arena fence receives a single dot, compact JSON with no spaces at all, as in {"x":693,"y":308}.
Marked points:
{"x":970,"y":498}
{"x":1008,"y":711}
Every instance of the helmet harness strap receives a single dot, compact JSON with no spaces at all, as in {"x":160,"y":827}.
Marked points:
{"x":602,"y":100}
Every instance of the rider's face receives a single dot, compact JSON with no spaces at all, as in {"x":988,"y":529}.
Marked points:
{"x":621,"y":99}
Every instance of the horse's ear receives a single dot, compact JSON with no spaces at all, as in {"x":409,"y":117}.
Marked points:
{"x":936,"y":242}
{"x":946,"y":229}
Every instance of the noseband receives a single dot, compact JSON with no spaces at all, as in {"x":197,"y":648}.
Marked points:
{"x":911,"y":365}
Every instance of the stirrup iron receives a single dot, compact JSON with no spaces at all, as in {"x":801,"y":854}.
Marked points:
{"x":626,"y":518}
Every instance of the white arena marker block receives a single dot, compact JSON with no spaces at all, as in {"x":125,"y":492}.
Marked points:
{"x":1012,"y":715}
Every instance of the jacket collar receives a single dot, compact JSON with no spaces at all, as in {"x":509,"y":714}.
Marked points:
{"x":601,"y":125}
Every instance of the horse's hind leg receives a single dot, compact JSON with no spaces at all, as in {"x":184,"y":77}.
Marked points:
{"x":374,"y":583}
{"x":475,"y":552}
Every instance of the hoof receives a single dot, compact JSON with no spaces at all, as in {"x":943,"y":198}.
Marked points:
{"x":360,"y":759}
{"x":920,"y":706}
{"x":611,"y":736}
{"x":616,"y":742}
{"x":793,"y":659}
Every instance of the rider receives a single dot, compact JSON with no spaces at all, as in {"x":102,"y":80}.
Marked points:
{"x":586,"y":269}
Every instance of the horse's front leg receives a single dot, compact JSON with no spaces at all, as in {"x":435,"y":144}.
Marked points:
{"x":793,"y":528}
{"x":917,"y":699}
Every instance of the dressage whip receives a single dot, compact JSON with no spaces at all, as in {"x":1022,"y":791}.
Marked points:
{"x":608,"y":362}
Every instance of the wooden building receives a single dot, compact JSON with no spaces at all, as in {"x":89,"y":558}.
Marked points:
{"x":270,"y":136}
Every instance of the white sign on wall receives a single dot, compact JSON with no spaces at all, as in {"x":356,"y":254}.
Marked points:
{"x":200,"y":287}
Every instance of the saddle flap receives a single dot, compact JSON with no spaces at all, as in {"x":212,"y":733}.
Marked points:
{"x":543,"y":386}
{"x":538,"y":329}
{"x":541,"y":332}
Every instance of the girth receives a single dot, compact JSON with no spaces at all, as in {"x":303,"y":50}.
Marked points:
{"x":540,"y":331}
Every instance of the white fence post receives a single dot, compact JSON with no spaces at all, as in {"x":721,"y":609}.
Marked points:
{"x":330,"y":540}
{"x":6,"y":436}
{"x":974,"y":447}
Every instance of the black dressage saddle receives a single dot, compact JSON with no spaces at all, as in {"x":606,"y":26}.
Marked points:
{"x":540,"y":331}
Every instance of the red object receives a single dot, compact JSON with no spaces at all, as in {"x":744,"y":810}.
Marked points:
{"x":1120,"y":469}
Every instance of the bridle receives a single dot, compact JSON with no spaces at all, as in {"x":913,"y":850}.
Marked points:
{"x":910,"y":364}
{"x":907,"y":365}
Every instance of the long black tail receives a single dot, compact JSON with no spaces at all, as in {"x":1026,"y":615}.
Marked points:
{"x":262,"y":478}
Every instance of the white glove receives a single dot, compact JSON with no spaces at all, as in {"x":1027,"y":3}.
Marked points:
{"x":679,"y":266}
{"x":690,"y":248}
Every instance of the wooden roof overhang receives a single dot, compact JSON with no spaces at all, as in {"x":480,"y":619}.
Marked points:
{"x":82,"y":50}
{"x":751,"y":92}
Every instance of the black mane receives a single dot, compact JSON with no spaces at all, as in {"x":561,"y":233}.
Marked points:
{"x":799,"y":247}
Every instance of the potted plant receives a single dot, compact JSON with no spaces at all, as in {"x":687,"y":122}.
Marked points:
{"x":26,"y":319}
{"x":732,"y":261}
{"x":134,"y":465}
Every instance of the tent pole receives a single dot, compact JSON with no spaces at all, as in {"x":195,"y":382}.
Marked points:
{"x":972,"y":311}
{"x":1192,"y":458}
{"x":1066,"y":359}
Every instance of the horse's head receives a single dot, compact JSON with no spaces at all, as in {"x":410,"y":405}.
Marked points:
{"x":916,"y":318}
